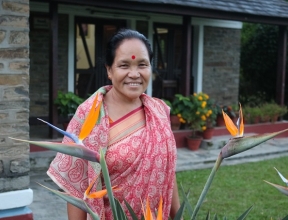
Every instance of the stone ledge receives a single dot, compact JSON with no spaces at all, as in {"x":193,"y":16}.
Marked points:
{"x":15,"y":199}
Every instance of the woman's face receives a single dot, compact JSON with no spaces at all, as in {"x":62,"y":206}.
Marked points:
{"x":131,"y":70}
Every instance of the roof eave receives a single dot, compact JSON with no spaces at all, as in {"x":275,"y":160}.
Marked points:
{"x":180,"y":10}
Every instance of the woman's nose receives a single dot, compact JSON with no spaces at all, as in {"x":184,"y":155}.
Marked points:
{"x":134,"y":73}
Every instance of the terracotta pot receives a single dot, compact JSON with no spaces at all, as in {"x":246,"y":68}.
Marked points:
{"x":274,"y":118}
{"x":208,"y":133}
{"x":193,"y":143}
{"x":175,"y":123}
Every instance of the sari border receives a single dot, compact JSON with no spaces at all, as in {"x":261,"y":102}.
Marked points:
{"x":125,"y":116}
{"x":129,"y":124}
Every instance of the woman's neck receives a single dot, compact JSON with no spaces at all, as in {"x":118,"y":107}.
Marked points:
{"x":119,"y":106}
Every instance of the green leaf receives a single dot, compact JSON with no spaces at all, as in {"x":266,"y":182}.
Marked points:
{"x":131,"y":211}
{"x":208,"y":216}
{"x":244,"y":215}
{"x":66,"y":148}
{"x":108,"y":184}
{"x":74,"y":201}
{"x":120,"y":212}
{"x":215,"y":217}
{"x":180,"y":211}
{"x":189,"y":207}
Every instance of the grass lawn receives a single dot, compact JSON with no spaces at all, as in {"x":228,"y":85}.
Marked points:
{"x":236,"y":188}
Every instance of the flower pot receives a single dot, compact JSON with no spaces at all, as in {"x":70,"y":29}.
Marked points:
{"x":175,"y":122}
{"x":208,"y":133}
{"x":193,"y":143}
{"x":274,"y":118}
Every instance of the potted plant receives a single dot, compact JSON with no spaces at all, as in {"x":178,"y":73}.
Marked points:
{"x":177,"y":106}
{"x":210,"y":120}
{"x":67,"y":104}
{"x":196,"y":114}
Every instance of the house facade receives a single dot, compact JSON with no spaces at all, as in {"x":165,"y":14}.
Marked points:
{"x":215,"y":57}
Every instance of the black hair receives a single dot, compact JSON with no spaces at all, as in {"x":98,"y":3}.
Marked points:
{"x":118,"y":38}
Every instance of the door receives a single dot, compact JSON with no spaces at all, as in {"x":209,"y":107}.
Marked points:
{"x":92,"y":36}
{"x":168,"y":60}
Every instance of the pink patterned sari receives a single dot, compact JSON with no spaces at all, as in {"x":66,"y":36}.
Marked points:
{"x":140,"y":156}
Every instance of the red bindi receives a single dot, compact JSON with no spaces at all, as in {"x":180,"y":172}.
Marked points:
{"x":133,"y":57}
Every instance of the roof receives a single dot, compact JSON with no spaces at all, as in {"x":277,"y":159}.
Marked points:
{"x":258,"y":11}
{"x":276,"y":8}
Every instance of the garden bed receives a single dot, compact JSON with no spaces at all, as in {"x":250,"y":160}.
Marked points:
{"x":260,"y":128}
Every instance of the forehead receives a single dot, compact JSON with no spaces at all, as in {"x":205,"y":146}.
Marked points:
{"x":130,"y":47}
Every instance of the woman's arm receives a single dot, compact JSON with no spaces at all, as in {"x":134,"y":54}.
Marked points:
{"x":175,"y":200}
{"x":75,"y":213}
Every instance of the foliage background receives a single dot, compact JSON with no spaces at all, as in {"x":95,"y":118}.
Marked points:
{"x":259,"y":45}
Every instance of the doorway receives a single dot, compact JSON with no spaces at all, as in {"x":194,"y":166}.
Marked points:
{"x":92,"y":36}
{"x":168,"y":65}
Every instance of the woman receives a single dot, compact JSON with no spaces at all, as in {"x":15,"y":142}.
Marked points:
{"x":133,"y":128}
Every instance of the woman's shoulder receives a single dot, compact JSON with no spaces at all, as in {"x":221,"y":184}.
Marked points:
{"x":155,"y":100}
{"x":158,"y":103}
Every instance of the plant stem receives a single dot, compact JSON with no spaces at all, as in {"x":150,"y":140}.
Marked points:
{"x":207,"y":186}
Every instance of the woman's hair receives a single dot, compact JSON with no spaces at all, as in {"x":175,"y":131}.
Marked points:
{"x":119,"y":37}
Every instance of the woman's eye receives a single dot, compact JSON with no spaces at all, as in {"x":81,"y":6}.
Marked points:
{"x":123,"y":66}
{"x":142,"y":64}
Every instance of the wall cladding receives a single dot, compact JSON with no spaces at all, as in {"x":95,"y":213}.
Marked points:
{"x":14,"y":94}
{"x":221,"y":64}
{"x":39,"y":61}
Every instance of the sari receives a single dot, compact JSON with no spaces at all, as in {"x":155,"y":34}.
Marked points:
{"x":140,"y":152}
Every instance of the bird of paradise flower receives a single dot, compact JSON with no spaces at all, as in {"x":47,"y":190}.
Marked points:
{"x":237,"y":144}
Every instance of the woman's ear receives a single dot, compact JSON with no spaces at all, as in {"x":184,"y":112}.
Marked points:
{"x":108,"y":69}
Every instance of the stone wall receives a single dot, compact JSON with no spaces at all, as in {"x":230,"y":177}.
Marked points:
{"x":221,"y":64}
{"x":39,"y":60}
{"x":14,"y":94}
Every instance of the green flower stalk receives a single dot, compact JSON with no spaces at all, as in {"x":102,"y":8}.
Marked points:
{"x":234,"y":146}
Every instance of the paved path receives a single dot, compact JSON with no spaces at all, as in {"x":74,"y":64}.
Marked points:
{"x":46,"y":206}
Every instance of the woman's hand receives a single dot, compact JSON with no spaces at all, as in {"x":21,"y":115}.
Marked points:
{"x":75,"y":213}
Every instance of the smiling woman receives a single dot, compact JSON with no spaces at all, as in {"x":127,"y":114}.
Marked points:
{"x":133,"y":130}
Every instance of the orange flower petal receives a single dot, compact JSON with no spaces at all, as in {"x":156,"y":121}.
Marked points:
{"x":159,"y":215}
{"x":90,"y":120}
{"x":231,"y":127}
{"x":241,"y":127}
{"x":90,"y":186}
{"x":148,"y":214}
{"x":97,"y":195}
